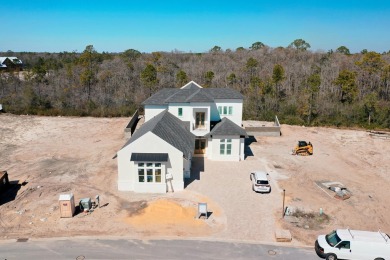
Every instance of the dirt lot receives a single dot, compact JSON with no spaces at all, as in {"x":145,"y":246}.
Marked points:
{"x":55,"y":155}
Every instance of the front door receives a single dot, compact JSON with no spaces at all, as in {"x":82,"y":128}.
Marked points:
{"x":200,"y":146}
{"x":199,"y":119}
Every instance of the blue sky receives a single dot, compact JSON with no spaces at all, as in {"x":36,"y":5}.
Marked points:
{"x":197,"y":26}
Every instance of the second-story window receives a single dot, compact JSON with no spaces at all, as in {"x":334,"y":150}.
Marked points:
{"x":225,"y":110}
{"x":180,"y":111}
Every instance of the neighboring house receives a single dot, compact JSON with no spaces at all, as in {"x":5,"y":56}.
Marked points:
{"x":10,"y":64}
{"x":179,"y":124}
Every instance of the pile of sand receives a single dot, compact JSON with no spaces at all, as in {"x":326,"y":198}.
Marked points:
{"x":162,"y":216}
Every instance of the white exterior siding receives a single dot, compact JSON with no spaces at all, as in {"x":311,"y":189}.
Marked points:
{"x":150,"y":143}
{"x":242,"y":149}
{"x":189,"y":115}
{"x":173,"y":108}
{"x":237,"y":150}
{"x":152,"y":111}
{"x":209,"y":148}
{"x":236,"y":105}
{"x":200,"y":107}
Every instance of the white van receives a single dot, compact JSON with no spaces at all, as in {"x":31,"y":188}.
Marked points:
{"x":353,"y":244}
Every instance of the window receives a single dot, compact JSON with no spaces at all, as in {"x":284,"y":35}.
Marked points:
{"x":180,"y":111}
{"x":152,"y":170}
{"x":225,"y":147}
{"x":332,"y":238}
{"x":158,"y":175}
{"x":149,"y":175}
{"x":344,"y":244}
{"x":222,"y":149}
{"x":141,"y":175}
{"x":229,"y":149}
{"x":225,"y":110}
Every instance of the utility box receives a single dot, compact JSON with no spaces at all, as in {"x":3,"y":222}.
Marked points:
{"x":67,"y":207}
{"x":4,"y":182}
{"x":85,"y":204}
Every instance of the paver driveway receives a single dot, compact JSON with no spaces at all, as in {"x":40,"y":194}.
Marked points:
{"x":249,"y":215}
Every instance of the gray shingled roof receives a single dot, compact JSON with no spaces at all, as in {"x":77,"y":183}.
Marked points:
{"x":200,"y":95}
{"x":159,"y":97}
{"x":227,"y":127}
{"x":191,"y":94}
{"x":170,"y":129}
{"x":223,"y":93}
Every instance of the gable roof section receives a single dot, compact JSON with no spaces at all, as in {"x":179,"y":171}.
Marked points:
{"x":191,"y":92}
{"x":227,"y":127}
{"x":169,"y":128}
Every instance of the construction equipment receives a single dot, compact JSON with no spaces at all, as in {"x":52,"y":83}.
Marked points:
{"x":303,"y":148}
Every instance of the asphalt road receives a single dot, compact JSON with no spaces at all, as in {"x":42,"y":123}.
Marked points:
{"x":86,"y":249}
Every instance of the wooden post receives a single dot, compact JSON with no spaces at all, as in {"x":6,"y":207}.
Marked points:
{"x":170,"y":181}
{"x":284,"y":195}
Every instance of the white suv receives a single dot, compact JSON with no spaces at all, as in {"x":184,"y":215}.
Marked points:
{"x":260,"y":182}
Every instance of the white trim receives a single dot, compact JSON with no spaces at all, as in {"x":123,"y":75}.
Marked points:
{"x":145,"y":168}
{"x":190,"y":83}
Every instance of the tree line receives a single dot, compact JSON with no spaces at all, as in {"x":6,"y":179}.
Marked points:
{"x":334,"y":88}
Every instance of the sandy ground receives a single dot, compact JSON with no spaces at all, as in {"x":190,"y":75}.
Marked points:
{"x":56,"y":155}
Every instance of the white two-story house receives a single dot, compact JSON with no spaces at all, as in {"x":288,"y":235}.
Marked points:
{"x":203,"y":109}
{"x":181,"y":123}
